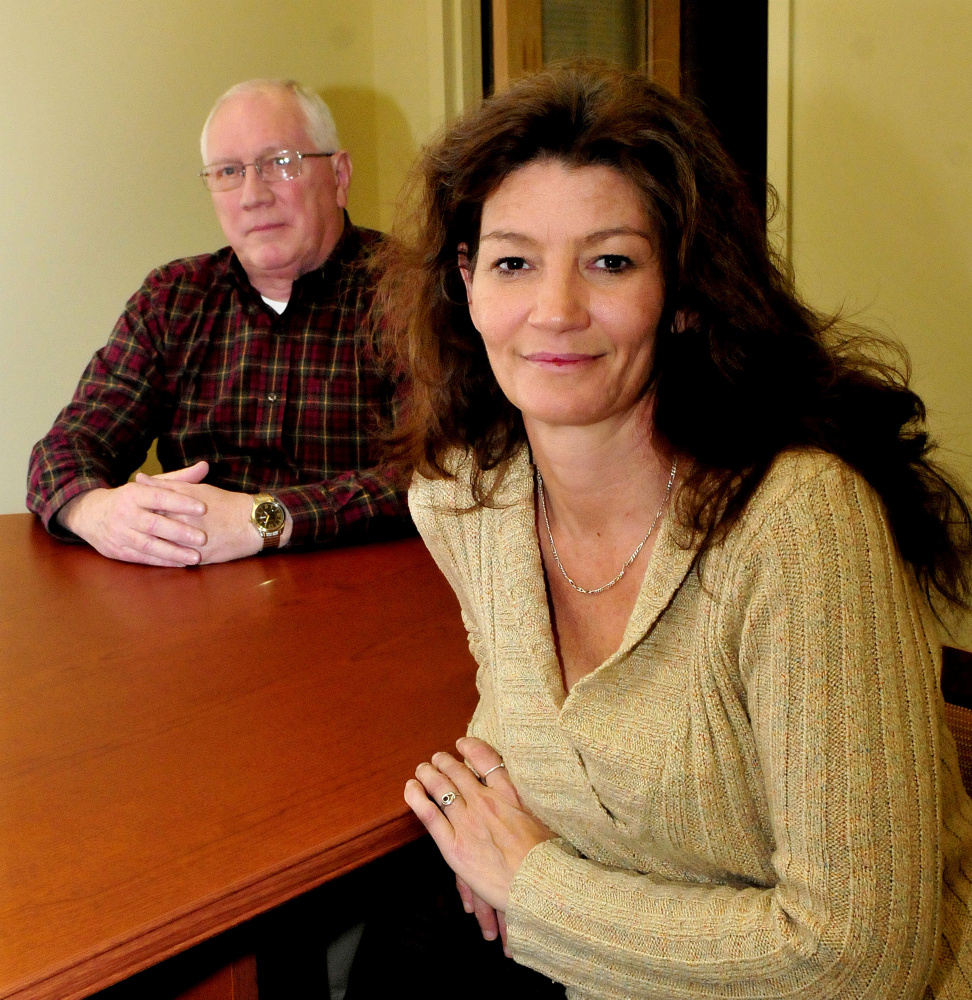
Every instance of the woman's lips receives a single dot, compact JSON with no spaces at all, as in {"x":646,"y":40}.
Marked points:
{"x":559,"y":360}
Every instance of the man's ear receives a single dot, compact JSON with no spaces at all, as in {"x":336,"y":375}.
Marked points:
{"x":465,"y":270}
{"x":341,"y":165}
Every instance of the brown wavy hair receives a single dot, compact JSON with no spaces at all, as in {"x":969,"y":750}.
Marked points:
{"x":743,"y":369}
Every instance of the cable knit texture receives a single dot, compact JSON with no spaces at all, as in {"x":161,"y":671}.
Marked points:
{"x":756,"y":795}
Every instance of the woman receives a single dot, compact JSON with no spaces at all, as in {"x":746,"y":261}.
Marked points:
{"x":695,"y":534}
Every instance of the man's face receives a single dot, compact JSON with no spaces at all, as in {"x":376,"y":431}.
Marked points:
{"x":283,"y":230}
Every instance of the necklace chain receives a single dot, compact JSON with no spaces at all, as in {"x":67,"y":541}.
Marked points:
{"x":634,"y":555}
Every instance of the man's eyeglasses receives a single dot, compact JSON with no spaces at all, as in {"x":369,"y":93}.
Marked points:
{"x":282,"y":166}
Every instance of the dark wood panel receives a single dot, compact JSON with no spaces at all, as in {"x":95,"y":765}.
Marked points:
{"x":236,"y":981}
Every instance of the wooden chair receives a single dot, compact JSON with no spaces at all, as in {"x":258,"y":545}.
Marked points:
{"x":957,"y":689}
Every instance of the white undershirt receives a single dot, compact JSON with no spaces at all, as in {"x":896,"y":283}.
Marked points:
{"x":275,"y":304}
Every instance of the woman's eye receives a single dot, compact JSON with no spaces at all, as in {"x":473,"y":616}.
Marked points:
{"x":510,"y":264}
{"x":613,"y":262}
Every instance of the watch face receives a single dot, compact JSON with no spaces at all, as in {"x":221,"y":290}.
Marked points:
{"x":269,"y":516}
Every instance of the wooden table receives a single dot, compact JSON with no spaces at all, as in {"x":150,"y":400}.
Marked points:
{"x":183,"y":749}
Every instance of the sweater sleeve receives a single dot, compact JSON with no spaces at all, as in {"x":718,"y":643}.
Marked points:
{"x":432,"y":505}
{"x":826,"y":635}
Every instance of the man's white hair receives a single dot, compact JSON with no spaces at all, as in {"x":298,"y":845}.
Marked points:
{"x":320,"y":122}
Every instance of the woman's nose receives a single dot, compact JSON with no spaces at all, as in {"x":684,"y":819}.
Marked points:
{"x":561,"y":302}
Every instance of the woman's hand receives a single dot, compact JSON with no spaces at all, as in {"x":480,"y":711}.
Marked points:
{"x":484,"y":833}
{"x":492,"y":923}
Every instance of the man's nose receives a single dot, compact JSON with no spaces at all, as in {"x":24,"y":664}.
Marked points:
{"x":561,"y":302}
{"x":255,"y":190}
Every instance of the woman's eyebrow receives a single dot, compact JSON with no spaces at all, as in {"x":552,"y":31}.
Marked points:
{"x":603,"y":234}
{"x":508,"y":237}
{"x":521,"y":239}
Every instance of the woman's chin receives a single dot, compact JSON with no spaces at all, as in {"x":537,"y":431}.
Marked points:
{"x":567,"y":416}
{"x":562,"y":410}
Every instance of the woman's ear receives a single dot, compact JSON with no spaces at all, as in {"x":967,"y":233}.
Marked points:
{"x":685,"y":320}
{"x":465,"y":270}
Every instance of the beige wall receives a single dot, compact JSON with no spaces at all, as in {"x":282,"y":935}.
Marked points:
{"x":871,"y":143}
{"x":100,"y":110}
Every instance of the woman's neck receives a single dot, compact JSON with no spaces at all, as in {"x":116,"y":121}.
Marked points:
{"x":601,"y":478}
{"x":604,"y":490}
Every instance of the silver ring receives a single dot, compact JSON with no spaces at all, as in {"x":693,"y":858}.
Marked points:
{"x":495,"y":767}
{"x":448,"y":798}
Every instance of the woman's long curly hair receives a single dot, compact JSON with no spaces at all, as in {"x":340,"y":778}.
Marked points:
{"x":742,"y":370}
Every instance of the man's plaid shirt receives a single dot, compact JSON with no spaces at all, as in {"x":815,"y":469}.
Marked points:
{"x":279,"y":403}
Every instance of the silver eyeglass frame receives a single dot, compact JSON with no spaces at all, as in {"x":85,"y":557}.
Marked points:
{"x":208,"y":170}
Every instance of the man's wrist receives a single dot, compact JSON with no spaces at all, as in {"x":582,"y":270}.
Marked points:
{"x":288,"y":529}
{"x":63,"y":517}
{"x":69,"y":518}
{"x":271,"y":520}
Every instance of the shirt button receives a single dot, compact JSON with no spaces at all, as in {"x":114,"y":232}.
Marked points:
{"x":272,"y":397}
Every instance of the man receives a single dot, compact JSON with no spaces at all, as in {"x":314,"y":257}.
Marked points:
{"x":253,"y":366}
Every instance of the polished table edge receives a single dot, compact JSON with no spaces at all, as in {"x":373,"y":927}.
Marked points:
{"x":125,"y":957}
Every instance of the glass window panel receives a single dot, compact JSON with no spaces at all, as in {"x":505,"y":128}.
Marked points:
{"x":607,"y":29}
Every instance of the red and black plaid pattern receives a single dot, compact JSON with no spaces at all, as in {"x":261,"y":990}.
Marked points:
{"x":281,"y":403}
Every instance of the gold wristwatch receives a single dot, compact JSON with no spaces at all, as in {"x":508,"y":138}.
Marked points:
{"x":269,"y":518}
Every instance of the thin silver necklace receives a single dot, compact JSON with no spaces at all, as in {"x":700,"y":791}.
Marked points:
{"x":634,"y":555}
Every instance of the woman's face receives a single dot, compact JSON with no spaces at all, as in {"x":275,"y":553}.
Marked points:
{"x":567,"y":292}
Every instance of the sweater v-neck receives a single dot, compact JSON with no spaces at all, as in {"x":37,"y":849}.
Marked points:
{"x":523,"y":571}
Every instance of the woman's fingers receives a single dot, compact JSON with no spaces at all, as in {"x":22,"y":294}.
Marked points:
{"x":444,"y":788}
{"x":481,"y":755}
{"x":431,"y":815}
{"x":491,"y":922}
{"x":487,"y":918}
{"x":466,"y":782}
{"x":501,"y":924}
{"x":465,"y":894}
{"x":488,"y":764}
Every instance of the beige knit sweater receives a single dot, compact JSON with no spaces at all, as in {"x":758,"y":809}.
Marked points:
{"x":756,"y":795}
